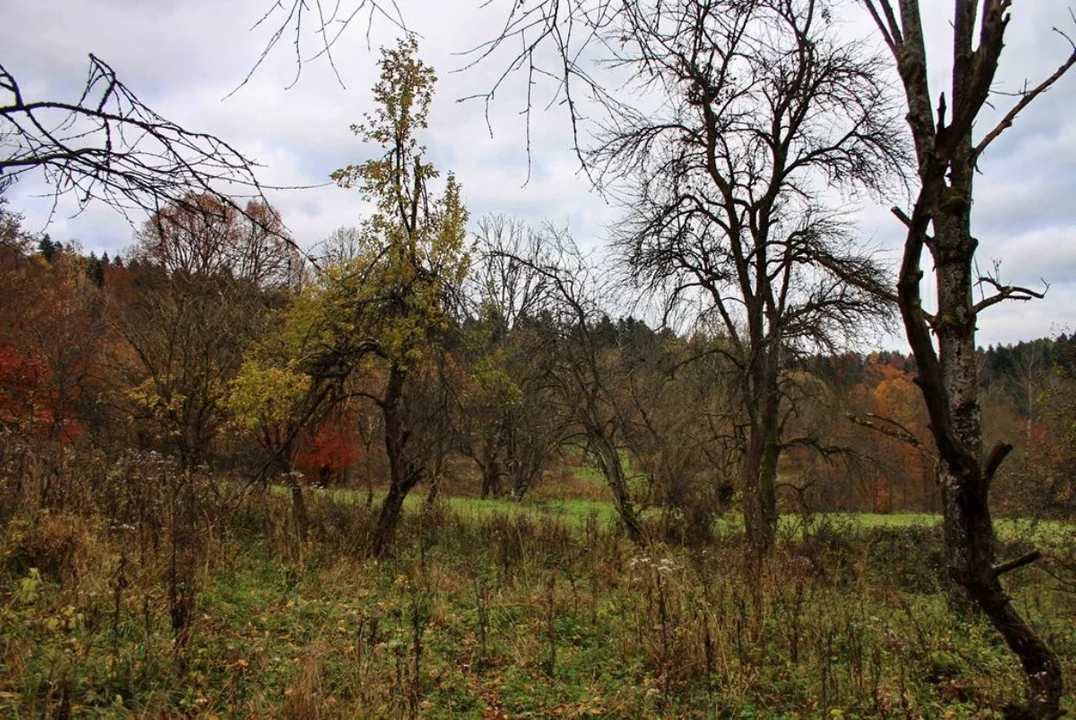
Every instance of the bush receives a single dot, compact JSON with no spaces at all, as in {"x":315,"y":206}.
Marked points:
{"x":59,"y":545}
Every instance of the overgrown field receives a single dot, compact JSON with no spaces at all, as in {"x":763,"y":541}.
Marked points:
{"x":495,"y":616}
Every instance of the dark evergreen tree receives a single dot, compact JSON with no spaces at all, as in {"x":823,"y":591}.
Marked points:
{"x":48,"y":248}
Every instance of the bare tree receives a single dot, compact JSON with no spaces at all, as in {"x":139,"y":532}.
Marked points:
{"x":943,"y":343}
{"x":510,"y":425}
{"x":512,"y":288}
{"x":729,"y":184}
{"x":687,"y":451}
{"x":206,"y":236}
{"x":581,"y":373}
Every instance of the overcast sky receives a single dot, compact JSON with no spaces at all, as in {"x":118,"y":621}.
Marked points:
{"x":184,"y":56}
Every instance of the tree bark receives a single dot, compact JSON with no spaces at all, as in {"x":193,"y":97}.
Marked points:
{"x":759,"y":472}
{"x":948,"y":376}
{"x":613,"y":470}
{"x":760,"y":483}
{"x":389,"y":516}
{"x":403,"y":474}
{"x":970,"y":542}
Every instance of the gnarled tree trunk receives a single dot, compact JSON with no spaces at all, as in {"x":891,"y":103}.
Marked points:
{"x":947,"y":375}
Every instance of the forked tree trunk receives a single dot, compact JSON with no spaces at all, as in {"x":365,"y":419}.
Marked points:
{"x":948,"y":379}
{"x":970,"y":543}
{"x":613,"y":470}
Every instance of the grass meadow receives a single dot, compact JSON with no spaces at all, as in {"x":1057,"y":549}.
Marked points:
{"x":494,"y":609}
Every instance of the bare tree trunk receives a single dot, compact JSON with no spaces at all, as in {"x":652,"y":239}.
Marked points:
{"x":947,"y":159}
{"x":760,"y":507}
{"x":613,"y":470}
{"x":949,"y":381}
{"x":760,"y":482}
{"x":759,"y":474}
{"x":403,"y":476}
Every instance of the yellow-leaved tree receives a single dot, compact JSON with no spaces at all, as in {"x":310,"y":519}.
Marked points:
{"x":277,"y":393}
{"x":390,"y":302}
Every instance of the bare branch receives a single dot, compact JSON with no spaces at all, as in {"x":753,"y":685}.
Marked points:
{"x":110,"y":146}
{"x":891,"y":428}
{"x":1026,"y":98}
{"x":993,"y":462}
{"x":329,"y":27}
{"x":889,"y":28}
{"x":1007,"y":292}
{"x":1017,"y":563}
{"x":907,"y":222}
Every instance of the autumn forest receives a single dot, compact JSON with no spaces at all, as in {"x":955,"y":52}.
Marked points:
{"x":734,"y":461}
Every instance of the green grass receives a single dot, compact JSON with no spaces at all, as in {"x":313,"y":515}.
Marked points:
{"x":573,"y":511}
{"x":577,"y":512}
{"x":1050,"y":532}
{"x":891,"y":520}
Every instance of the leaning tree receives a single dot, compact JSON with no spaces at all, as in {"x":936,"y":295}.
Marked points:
{"x":581,"y":378}
{"x":943,"y":342}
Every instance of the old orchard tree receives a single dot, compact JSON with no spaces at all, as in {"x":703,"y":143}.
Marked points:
{"x":731,"y":184}
{"x":386,"y":310}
